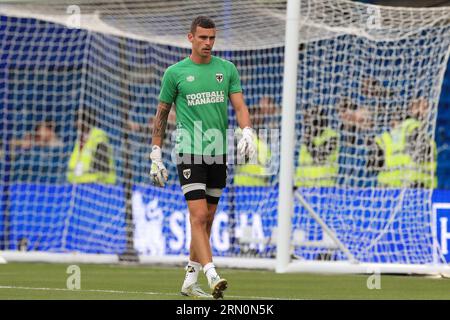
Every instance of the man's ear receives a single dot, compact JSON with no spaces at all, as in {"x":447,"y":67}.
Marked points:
{"x":190,"y":36}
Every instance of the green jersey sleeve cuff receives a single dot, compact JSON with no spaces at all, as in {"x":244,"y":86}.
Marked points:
{"x":235,"y":91}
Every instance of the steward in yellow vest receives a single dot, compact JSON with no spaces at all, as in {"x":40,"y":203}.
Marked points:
{"x":318,"y":161}
{"x":264,"y":117}
{"x":255,"y":174}
{"x":409,"y":157}
{"x":92,"y":162}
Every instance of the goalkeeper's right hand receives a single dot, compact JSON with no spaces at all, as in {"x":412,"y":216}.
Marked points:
{"x":158,"y":171}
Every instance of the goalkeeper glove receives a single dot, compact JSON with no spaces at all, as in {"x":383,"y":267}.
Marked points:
{"x":246,"y":145}
{"x":158,"y":171}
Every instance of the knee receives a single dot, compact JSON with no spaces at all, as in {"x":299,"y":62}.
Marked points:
{"x":199,"y":219}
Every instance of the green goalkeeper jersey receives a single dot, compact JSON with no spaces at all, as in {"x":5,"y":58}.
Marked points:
{"x":200,"y":93}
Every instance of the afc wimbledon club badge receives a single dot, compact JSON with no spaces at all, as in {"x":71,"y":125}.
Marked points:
{"x":219,"y":77}
{"x":187,"y":173}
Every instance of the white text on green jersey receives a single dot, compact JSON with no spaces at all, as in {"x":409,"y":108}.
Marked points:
{"x":200,"y":98}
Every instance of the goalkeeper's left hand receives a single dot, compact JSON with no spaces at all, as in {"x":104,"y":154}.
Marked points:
{"x":246,"y":145}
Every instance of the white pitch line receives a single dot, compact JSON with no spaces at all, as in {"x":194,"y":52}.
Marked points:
{"x":89,"y":290}
{"x":130,"y":292}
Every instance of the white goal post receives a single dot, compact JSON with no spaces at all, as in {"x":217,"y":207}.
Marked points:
{"x":323,"y":79}
{"x":372,"y":25}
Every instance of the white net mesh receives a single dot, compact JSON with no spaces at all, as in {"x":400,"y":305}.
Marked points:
{"x":360,"y":67}
{"x":370,"y":78}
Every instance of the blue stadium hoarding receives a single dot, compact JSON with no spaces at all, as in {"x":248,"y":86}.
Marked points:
{"x":441,"y":216}
{"x":65,"y":218}
{"x":91,"y":219}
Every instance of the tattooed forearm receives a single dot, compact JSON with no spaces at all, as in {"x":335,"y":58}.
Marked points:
{"x":160,"y":121}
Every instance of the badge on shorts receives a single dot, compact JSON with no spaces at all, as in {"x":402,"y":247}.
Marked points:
{"x":187,"y":173}
{"x":219,"y":77}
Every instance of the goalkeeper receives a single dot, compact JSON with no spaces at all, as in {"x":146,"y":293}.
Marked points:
{"x":200,"y":86}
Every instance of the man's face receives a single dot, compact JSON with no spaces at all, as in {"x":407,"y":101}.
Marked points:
{"x":419,"y":108}
{"x":202,"y":41}
{"x":263,"y":114}
{"x":44,"y":133}
{"x":267,"y":106}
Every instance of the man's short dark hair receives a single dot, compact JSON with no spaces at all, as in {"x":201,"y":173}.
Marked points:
{"x":203,"y":22}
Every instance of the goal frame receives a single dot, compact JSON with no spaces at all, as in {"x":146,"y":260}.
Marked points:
{"x":287,"y":195}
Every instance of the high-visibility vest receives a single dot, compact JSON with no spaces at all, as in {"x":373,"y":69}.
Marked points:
{"x":254,"y":174}
{"x":399,"y":168}
{"x":309,"y":174}
{"x":80,"y":164}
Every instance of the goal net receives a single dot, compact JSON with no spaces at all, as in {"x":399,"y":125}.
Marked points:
{"x":362,"y":72}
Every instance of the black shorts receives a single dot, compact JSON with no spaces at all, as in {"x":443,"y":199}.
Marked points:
{"x":202,"y":178}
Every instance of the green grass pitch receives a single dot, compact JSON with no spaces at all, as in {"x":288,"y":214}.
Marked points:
{"x":48,"y":281}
